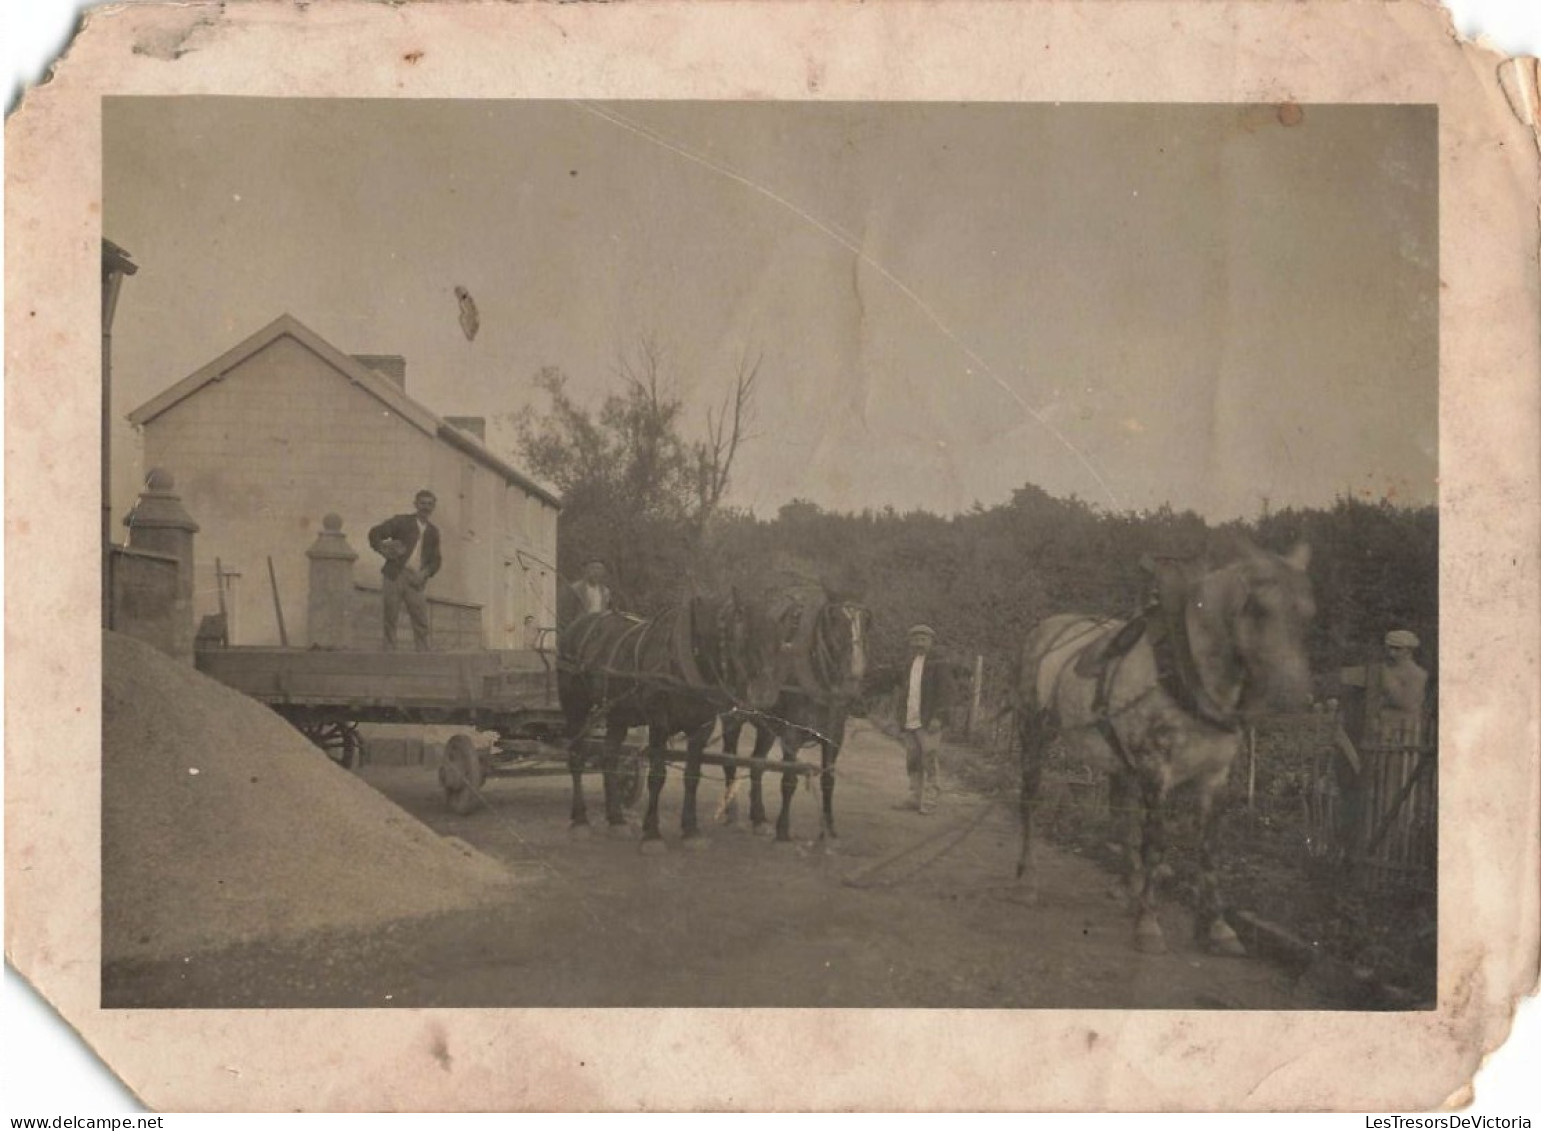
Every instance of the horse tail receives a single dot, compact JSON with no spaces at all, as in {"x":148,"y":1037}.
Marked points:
{"x":1034,"y":731}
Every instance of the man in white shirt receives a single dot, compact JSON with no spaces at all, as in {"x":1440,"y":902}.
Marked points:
{"x":922,"y":710}
{"x":592,"y":590}
{"x":409,"y":543}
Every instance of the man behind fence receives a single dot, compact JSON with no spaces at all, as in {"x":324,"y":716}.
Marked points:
{"x":1384,"y":707}
{"x":1404,"y":684}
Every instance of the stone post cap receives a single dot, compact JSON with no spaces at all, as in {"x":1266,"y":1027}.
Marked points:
{"x":331,"y":543}
{"x":159,"y":505}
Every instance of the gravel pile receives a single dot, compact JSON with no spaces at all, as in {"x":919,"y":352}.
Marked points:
{"x":221,"y":824}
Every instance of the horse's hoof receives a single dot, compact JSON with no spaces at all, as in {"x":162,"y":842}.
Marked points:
{"x":764,"y":830}
{"x":652,"y":846}
{"x":1222,"y":941}
{"x":621,"y":831}
{"x":782,"y":841}
{"x":695,"y":842}
{"x":579,"y":830}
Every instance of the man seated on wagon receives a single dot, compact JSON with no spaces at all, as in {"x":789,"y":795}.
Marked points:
{"x":591,"y":593}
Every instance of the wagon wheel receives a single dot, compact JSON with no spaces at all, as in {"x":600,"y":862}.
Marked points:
{"x":462,"y":774}
{"x":340,"y":741}
{"x":629,"y":777}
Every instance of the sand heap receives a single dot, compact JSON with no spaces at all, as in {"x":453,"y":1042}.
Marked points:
{"x":221,"y":824}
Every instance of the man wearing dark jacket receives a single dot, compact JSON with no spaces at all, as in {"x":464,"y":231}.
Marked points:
{"x":923,"y":703}
{"x":409,"y":543}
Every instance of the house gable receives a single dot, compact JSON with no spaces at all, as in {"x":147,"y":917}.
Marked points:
{"x":375,"y":384}
{"x":287,"y":326}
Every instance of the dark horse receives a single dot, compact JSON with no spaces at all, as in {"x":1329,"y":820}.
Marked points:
{"x":829,"y":659}
{"x":672,"y":674}
{"x":1159,"y":701}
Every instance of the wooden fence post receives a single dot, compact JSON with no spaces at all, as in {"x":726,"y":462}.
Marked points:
{"x":973,"y":707}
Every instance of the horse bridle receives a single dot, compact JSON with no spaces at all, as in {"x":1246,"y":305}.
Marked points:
{"x":824,"y":659}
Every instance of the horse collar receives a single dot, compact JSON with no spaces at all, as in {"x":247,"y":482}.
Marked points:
{"x":1178,"y":674}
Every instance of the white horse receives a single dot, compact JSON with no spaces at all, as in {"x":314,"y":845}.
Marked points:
{"x":1159,"y":702}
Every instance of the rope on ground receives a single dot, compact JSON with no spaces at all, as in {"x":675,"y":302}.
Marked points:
{"x":915,"y":857}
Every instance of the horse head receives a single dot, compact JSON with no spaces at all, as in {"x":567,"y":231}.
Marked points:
{"x":758,"y":656}
{"x":1246,"y":625}
{"x":852,"y":626}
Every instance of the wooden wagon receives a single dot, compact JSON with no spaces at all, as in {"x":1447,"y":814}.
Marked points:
{"x":327,"y":693}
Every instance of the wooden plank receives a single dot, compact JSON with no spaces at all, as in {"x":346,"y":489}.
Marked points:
{"x":596,"y":747}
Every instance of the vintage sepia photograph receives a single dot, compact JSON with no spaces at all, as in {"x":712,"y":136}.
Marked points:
{"x":855,"y":554}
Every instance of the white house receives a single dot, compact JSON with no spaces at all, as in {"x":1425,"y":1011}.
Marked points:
{"x":284,"y":429}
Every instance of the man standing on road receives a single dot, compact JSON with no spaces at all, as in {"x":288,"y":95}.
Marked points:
{"x":922,"y":709}
{"x":409,"y":543}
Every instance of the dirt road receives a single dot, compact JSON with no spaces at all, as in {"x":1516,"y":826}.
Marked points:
{"x":903,"y":910}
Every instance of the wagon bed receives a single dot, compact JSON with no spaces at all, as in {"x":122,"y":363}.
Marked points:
{"x":326,"y":693}
{"x":470,"y":688}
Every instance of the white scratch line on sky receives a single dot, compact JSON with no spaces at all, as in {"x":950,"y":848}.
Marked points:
{"x":616,"y":119}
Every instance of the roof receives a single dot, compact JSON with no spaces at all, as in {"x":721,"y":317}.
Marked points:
{"x":373,"y":383}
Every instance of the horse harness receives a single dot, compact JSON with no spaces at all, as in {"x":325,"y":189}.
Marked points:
{"x":1167,"y":632}
{"x":623,"y":659}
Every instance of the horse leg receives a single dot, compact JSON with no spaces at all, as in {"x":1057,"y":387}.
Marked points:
{"x":1210,"y":925}
{"x":657,"y":770}
{"x":764,"y":737}
{"x":727,"y":811}
{"x":1147,"y":927}
{"x":1033,"y":736}
{"x":615,"y":819}
{"x":695,"y":746}
{"x":829,"y":750}
{"x":788,"y":789}
{"x":577,"y":756}
{"x":1123,"y":813}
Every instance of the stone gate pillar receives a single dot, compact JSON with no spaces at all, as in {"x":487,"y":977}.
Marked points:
{"x":331,"y":586}
{"x":159,"y":523}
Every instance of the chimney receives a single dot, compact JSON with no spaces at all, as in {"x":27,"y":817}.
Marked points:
{"x":476,"y":425}
{"x":391,"y":366}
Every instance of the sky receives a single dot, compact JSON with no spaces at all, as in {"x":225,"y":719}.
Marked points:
{"x":1217,"y":308}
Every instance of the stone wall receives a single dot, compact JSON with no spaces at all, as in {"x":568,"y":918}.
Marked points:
{"x":144,"y":587}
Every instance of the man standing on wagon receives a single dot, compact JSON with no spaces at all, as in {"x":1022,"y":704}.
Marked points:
{"x":922,"y":709}
{"x":409,"y":543}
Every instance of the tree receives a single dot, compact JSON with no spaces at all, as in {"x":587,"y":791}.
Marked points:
{"x":726,"y":429}
{"x":637,"y":491}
